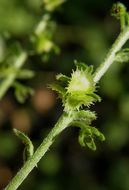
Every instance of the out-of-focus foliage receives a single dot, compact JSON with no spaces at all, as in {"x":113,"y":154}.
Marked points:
{"x":51,"y":5}
{"x":84,"y":32}
{"x":16,"y":16}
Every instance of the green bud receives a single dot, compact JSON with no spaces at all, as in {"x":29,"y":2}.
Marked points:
{"x":118,"y":10}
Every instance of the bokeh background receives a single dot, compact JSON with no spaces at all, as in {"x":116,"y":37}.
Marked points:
{"x":85,"y":31}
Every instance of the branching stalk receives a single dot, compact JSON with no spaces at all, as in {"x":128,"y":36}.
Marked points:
{"x":62,"y":123}
{"x":120,"y":41}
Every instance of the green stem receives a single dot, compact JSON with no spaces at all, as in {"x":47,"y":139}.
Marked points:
{"x":8,"y":81}
{"x":120,"y":41}
{"x":122,"y":22}
{"x":62,"y":123}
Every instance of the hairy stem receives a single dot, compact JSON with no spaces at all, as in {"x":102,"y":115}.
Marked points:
{"x":62,"y":123}
{"x":8,"y":81}
{"x":120,"y":41}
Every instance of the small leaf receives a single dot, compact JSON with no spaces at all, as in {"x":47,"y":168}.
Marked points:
{"x":80,"y":124}
{"x":85,"y":139}
{"x":90,"y":69}
{"x":81,"y":139}
{"x":90,"y":143}
{"x":29,"y":148}
{"x":22,"y":92}
{"x":88,"y":134}
{"x":58,"y":88}
{"x":95,"y":96}
{"x":98,"y":134}
{"x":84,"y":115}
{"x":122,"y":56}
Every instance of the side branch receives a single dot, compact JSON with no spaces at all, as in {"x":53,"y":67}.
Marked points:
{"x":120,"y":41}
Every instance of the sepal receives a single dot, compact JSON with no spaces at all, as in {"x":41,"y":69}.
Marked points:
{"x":63,"y":78}
{"x":58,"y":88}
{"x":84,"y":115}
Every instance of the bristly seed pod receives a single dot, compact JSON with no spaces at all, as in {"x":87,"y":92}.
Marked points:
{"x":77,"y":90}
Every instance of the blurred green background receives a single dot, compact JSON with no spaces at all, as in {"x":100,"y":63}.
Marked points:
{"x":85,"y":31}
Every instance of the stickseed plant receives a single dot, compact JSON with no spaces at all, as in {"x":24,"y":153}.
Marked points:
{"x":77,"y":93}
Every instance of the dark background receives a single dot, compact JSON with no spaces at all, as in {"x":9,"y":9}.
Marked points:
{"x":85,"y":31}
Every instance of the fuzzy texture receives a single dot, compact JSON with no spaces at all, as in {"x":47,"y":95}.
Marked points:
{"x":78,"y":90}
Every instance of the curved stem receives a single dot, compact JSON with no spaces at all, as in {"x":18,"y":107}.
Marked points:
{"x":62,"y":123}
{"x":120,"y":41}
{"x":8,"y":81}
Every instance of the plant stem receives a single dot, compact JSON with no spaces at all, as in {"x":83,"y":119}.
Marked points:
{"x":120,"y":41}
{"x":8,"y":81}
{"x":65,"y":119}
{"x":62,"y":123}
